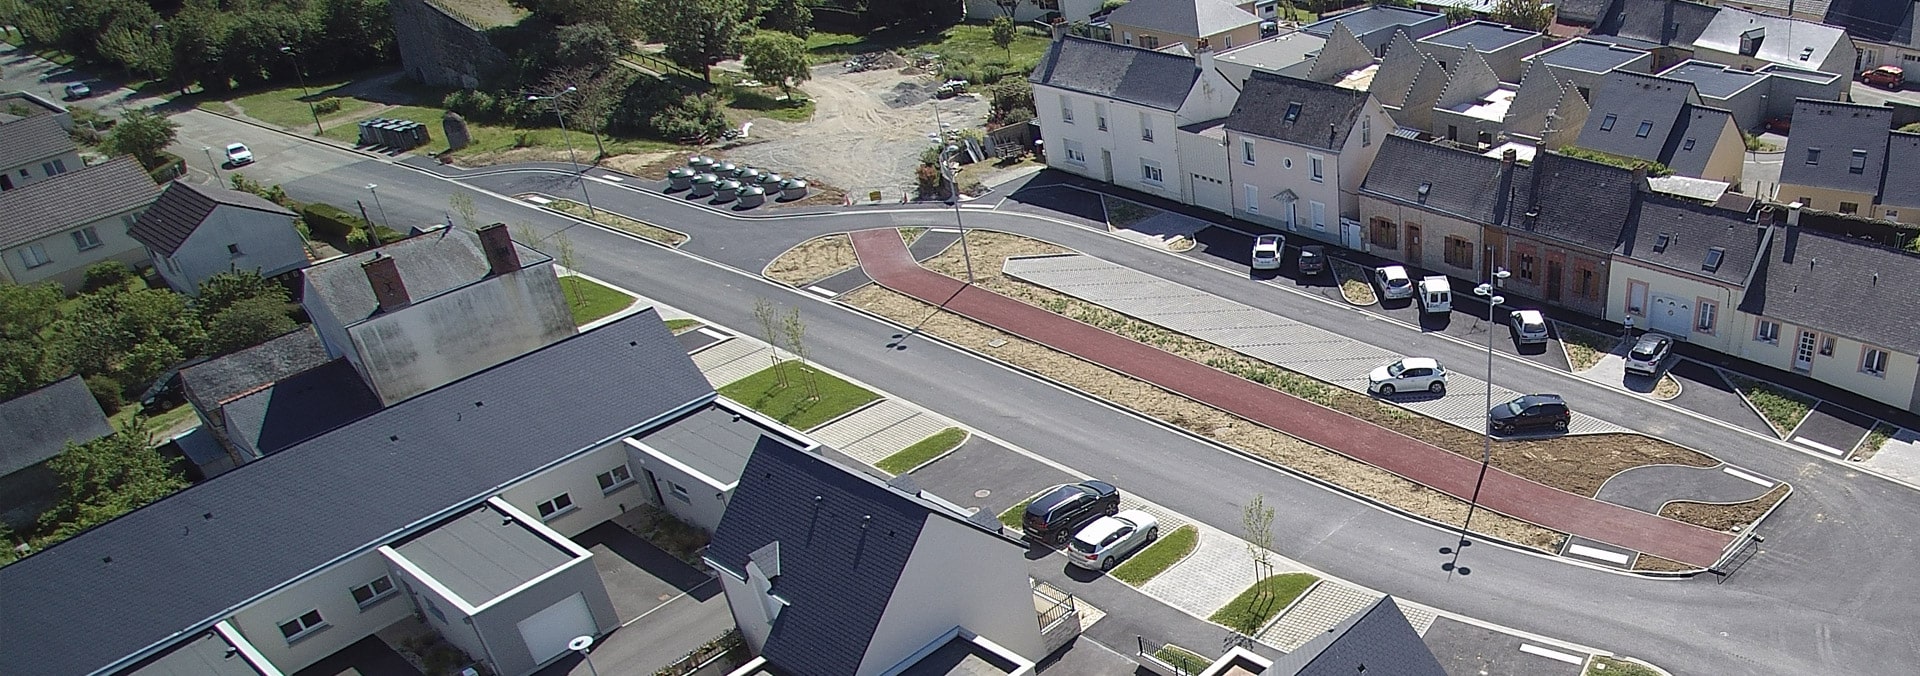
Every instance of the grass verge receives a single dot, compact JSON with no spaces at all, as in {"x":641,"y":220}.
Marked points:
{"x":1782,"y":408}
{"x":1011,"y":517}
{"x":910,"y":235}
{"x":1353,"y":283}
{"x":966,"y":50}
{"x":1124,"y":214}
{"x":1875,"y":439}
{"x":1608,"y":666}
{"x":491,"y":139}
{"x":619,"y":222}
{"x":781,"y":392}
{"x":1584,"y":347}
{"x":922,"y":451}
{"x":1251,"y":610}
{"x":1158,"y":557}
{"x":683,"y":325}
{"x":288,"y":106}
{"x":590,"y":300}
{"x":160,"y":423}
{"x":761,"y":103}
{"x":1183,"y":660}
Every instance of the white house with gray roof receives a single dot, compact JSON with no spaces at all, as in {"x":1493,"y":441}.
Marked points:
{"x":1747,"y":39}
{"x":34,"y":149}
{"x":1297,"y":153}
{"x":1375,"y":25}
{"x":1160,"y":24}
{"x":52,"y":230}
{"x":194,"y":232}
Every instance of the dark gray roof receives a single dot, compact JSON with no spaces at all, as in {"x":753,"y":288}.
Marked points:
{"x":1713,"y":79}
{"x":482,"y":554}
{"x":39,"y":424}
{"x":1781,"y":7}
{"x":1903,"y":171}
{"x":1107,"y":70}
{"x":299,"y":407}
{"x":215,"y":382}
{"x":1836,"y":130}
{"x":1677,"y":233}
{"x":1579,"y":202}
{"x":183,"y":206}
{"x":1657,"y":22}
{"x":1694,"y":140}
{"x":1484,"y":36}
{"x":133,"y":582}
{"x":1466,"y":185}
{"x":1327,"y":112}
{"x":1851,"y":287}
{"x":431,"y":263}
{"x":1590,"y":55}
{"x":1375,"y":640}
{"x":208,"y":654}
{"x":713,"y":441}
{"x":1625,"y":101}
{"x":73,"y":199}
{"x":31,"y":139}
{"x":1888,"y":21}
{"x":1198,"y":18}
{"x":1580,"y":12}
{"x":1370,"y":19}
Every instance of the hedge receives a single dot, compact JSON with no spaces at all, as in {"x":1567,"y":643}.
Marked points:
{"x":330,"y":222}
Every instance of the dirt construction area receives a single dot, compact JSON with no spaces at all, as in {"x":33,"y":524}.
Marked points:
{"x":867,"y":132}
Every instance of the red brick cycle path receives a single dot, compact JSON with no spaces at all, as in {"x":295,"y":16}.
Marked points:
{"x":884,"y":257}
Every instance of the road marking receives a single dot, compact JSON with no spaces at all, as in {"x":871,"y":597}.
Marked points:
{"x":613,"y":178}
{"x":981,"y":207}
{"x":1598,"y":554}
{"x":824,"y":292}
{"x":716,"y":335}
{"x":536,"y":199}
{"x":1549,"y":654}
{"x":1746,"y":477}
{"x":1817,"y":445}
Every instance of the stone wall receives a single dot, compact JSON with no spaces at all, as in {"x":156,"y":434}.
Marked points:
{"x":440,"y":49}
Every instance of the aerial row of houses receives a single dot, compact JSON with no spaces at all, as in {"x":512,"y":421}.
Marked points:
{"x":1321,"y":137}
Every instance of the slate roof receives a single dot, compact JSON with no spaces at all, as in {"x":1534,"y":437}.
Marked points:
{"x":177,"y":564}
{"x":1581,"y":12}
{"x":1656,"y":22}
{"x":31,"y":139}
{"x":844,"y":539}
{"x":1781,"y":7}
{"x":714,"y":441}
{"x":1462,"y":184}
{"x":1785,"y":42}
{"x":73,"y":199}
{"x":1836,"y":129}
{"x":301,"y":406}
{"x":1887,"y":21}
{"x":1590,"y":55}
{"x":1327,"y":112}
{"x":1903,"y":162}
{"x":1851,"y":287}
{"x":182,"y":207}
{"x":1631,"y":99}
{"x":217,"y":381}
{"x":1483,"y":36}
{"x":1700,"y":126}
{"x":1579,"y":202}
{"x":431,"y":263}
{"x":1690,"y":229}
{"x":1375,"y":640}
{"x":1197,"y":18}
{"x":39,"y":424}
{"x":1114,"y":71}
{"x":1714,"y":80}
{"x":1370,"y":19}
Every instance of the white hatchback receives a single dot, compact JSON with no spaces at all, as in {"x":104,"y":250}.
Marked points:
{"x":1412,"y":374}
{"x":1529,"y":327}
{"x":1266,"y":252}
{"x":1394,"y":281}
{"x":238,"y":155}
{"x":1108,"y":539}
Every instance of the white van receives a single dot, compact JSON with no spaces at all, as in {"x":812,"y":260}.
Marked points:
{"x":1436,"y":295}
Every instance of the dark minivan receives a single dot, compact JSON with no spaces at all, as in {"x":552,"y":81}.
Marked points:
{"x":1057,"y":513}
{"x":1529,"y":412}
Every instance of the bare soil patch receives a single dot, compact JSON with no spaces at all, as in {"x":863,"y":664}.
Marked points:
{"x":1725,"y":517}
{"x":1654,"y":564}
{"x":1353,"y":283}
{"x":650,"y":166}
{"x":512,"y":155}
{"x":814,"y":260}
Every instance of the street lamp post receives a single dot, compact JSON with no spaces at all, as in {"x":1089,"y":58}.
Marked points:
{"x":580,"y":644}
{"x":304,"y":93}
{"x":575,"y":159}
{"x":951,"y":174}
{"x":374,"y":188}
{"x":1484,"y":290}
{"x":213,"y":164}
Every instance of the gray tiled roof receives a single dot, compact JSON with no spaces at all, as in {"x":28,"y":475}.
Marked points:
{"x":1786,"y":39}
{"x":1198,"y":18}
{"x":39,"y":424}
{"x":183,"y":206}
{"x":1836,"y":130}
{"x":1851,"y":287}
{"x":220,"y":380}
{"x":1700,"y":126}
{"x":1689,"y":230}
{"x":1485,"y":36}
{"x":1623,"y":103}
{"x":1781,"y":7}
{"x":1580,"y":202}
{"x":1375,"y":640}
{"x":1657,"y":22}
{"x":1460,"y":183}
{"x":713,"y":441}
{"x":1888,"y":21}
{"x":1590,"y":55}
{"x":73,"y":199}
{"x":1582,"y":12}
{"x":1903,"y":171}
{"x":431,"y":263}
{"x":1107,"y":70}
{"x":31,"y":139}
{"x":1712,"y":79}
{"x":301,"y":406}
{"x":1369,"y":19}
{"x":177,"y":564}
{"x":1327,"y":112}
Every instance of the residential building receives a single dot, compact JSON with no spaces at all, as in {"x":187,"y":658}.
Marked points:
{"x":831,"y":571}
{"x":39,"y":425}
{"x":427,"y":310}
{"x":1114,"y":113}
{"x":1473,"y":107}
{"x":1900,"y":191}
{"x":1755,"y":96}
{"x":1293,"y":54}
{"x":1584,"y":63}
{"x":1681,"y":268}
{"x":193,"y":233}
{"x":1562,"y":227}
{"x":1377,"y":639}
{"x":1659,"y":119}
{"x":52,"y":230}
{"x":1667,"y":28}
{"x":1882,"y":30}
{"x":269,"y":397}
{"x":1032,"y":10}
{"x":1737,"y":37}
{"x":1298,"y":151}
{"x":34,"y":149}
{"x":1159,"y":24}
{"x":1428,"y":205}
{"x":1504,"y":47}
{"x":1836,"y":158}
{"x":1375,"y":25}
{"x":19,"y":105}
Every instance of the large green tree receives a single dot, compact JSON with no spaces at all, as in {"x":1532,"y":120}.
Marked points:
{"x":129,"y":335}
{"x":105,"y":478}
{"x":697,"y":33}
{"x":777,"y":58}
{"x":1532,"y":15}
{"x":25,"y":314}
{"x":143,"y":135}
{"x":788,"y":16}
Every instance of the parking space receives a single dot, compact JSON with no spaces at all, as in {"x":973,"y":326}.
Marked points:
{"x":366,"y":657}
{"x":1833,"y":430}
{"x":640,"y":576}
{"x":1705,"y":391}
{"x":1468,"y":321}
{"x":987,"y":476}
{"x":1467,"y":649}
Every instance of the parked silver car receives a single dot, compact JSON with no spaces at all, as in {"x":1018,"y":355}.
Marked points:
{"x":1413,"y":374}
{"x":1647,"y":353}
{"x":1529,"y":328}
{"x":1395,"y":283}
{"x":1109,"y":539}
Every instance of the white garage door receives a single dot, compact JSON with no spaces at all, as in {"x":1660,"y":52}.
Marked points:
{"x":548,"y":631}
{"x":1671,"y":315}
{"x":1211,"y":193}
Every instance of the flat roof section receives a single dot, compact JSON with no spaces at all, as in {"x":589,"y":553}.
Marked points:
{"x":1492,"y":107}
{"x":1590,"y":55}
{"x":207,"y":655}
{"x":713,"y":441}
{"x":962,"y":657}
{"x":1714,"y":80}
{"x":1485,"y":36}
{"x":483,"y":553}
{"x":1275,"y":52}
{"x":1369,"y":19}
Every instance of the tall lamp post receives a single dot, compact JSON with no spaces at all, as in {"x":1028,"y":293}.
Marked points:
{"x":580,"y":644}
{"x":373,"y":188}
{"x":306,"y":95}
{"x":951,"y":174}
{"x":1484,"y":290}
{"x":575,"y":159}
{"x":213,"y":164}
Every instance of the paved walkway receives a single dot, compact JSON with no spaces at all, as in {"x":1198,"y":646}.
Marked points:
{"x":1899,"y":457}
{"x":885,"y":258}
{"x":881,"y":429}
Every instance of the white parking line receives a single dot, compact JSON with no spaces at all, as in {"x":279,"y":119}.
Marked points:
{"x":1550,"y":654}
{"x":536,"y":199}
{"x":1598,"y":554}
{"x":1746,"y":477}
{"x":1803,"y":441}
{"x":824,"y":292}
{"x":716,"y":335}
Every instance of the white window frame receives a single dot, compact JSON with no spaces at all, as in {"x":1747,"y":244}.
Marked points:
{"x":1706,"y":317}
{"x":1075,"y":153}
{"x":1253,"y":197}
{"x":33,"y":256}
{"x":1366,"y":131}
{"x":1150,"y":173}
{"x":306,"y":628}
{"x":1873,"y":361}
{"x":85,"y":238}
{"x":620,"y":476}
{"x":1318,"y":212}
{"x":1246,"y":151}
{"x":556,"y":507}
{"x":1767,"y":331}
{"x":374,"y":594}
{"x":1316,"y":166}
{"x":1146,"y":127}
{"x":1066,"y":109}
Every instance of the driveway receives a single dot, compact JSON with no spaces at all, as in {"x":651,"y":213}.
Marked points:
{"x":987,"y":476}
{"x":366,"y":657}
{"x":667,"y":608}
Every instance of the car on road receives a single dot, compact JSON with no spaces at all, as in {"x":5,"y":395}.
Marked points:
{"x":1109,"y":539}
{"x":1533,"y":411}
{"x":78,"y":90}
{"x":1529,"y":328}
{"x":1413,"y":374}
{"x":1266,"y":251}
{"x":1313,"y":259}
{"x":1647,"y":353}
{"x":238,"y":155}
{"x":1051,"y":518}
{"x":1889,"y":77}
{"x":1395,"y":283}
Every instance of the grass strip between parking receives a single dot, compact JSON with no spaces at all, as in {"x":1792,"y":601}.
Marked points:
{"x":590,"y":300}
{"x":1609,"y":666}
{"x":1181,"y":659}
{"x":1011,"y":517}
{"x":1159,"y":556}
{"x":619,"y":222}
{"x":683,"y":325}
{"x":798,"y":395}
{"x":922,"y":451}
{"x":1251,"y":610}
{"x":1782,"y":408}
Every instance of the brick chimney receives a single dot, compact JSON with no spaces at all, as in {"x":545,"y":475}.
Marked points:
{"x":1203,"y":55}
{"x":497,"y":243}
{"x":383,"y":274}
{"x":1508,"y":157}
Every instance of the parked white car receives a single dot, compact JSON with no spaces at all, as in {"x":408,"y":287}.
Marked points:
{"x":1266,"y":251}
{"x":1647,"y":353}
{"x":1529,"y":328}
{"x":238,"y":155}
{"x":1413,"y":374}
{"x":1395,"y":283}
{"x":1109,"y":539}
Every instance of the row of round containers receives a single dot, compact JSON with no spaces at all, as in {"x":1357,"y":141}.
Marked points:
{"x":746,"y":181}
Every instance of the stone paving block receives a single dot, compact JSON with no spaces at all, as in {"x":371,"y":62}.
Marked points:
{"x":895,"y":438}
{"x":1208,"y":578}
{"x":1324,"y":606}
{"x":863,"y":423}
{"x":729,"y":372}
{"x":1222,"y":320}
{"x":1239,"y":336}
{"x":1169,"y":520}
{"x":1421,"y":617}
{"x":724,"y":351}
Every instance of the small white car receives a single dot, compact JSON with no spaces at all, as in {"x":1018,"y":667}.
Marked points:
{"x":1395,"y":283}
{"x":1529,"y":328}
{"x":238,"y":155}
{"x":1109,"y":539}
{"x":1266,"y":251}
{"x":1412,"y":374}
{"x":78,"y":90}
{"x":1646,"y":355}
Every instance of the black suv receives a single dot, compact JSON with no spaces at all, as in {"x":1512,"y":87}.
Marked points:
{"x":1057,"y":513}
{"x":1313,"y":259}
{"x":1530,"y":411}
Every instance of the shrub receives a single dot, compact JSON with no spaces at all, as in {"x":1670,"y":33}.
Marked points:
{"x":105,"y":274}
{"x":106,"y":391}
{"x":247,"y":323}
{"x":327,"y":106}
{"x":928,"y":179}
{"x":330,"y":222}
{"x":694,"y":117}
{"x":359,"y":240}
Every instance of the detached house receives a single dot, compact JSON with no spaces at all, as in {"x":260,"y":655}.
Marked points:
{"x":193,"y":233}
{"x":1659,"y":119}
{"x":1158,"y":24}
{"x":1297,"y":153}
{"x":1837,"y":157}
{"x":52,"y":230}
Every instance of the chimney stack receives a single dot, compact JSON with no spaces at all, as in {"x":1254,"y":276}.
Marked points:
{"x":497,"y":244}
{"x":383,"y":274}
{"x":1793,"y":213}
{"x":1059,"y":27}
{"x":1508,"y":157}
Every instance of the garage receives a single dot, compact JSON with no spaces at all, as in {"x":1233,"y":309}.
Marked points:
{"x":1670,"y":315}
{"x":548,"y":631}
{"x":1211,"y":193}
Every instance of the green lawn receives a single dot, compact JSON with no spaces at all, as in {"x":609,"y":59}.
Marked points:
{"x":790,"y":403}
{"x":1158,"y":557}
{"x":1608,"y":666}
{"x":1251,"y":610}
{"x":682,"y":325}
{"x":1782,"y":408}
{"x":1182,"y":659}
{"x":159,"y":423}
{"x":619,"y":222}
{"x":488,"y":138}
{"x":284,"y":106}
{"x":590,"y":300}
{"x":1011,"y":517}
{"x":766,"y":103}
{"x":966,"y":49}
{"x":922,"y":451}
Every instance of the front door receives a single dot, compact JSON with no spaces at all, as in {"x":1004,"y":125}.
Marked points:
{"x":1106,"y":162}
{"x":1803,"y":351}
{"x":1413,"y":245}
{"x":1553,"y":281}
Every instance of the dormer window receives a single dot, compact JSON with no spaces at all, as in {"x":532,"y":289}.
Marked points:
{"x":1660,"y":244}
{"x":1293,"y":112}
{"x":1713,"y":259}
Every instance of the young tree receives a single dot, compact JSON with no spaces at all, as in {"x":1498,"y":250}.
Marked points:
{"x":779,"y":58}
{"x":1257,"y":518}
{"x":1008,"y":8}
{"x":796,"y":330}
{"x":143,"y":135}
{"x":765,"y":315}
{"x":697,"y":33}
{"x":461,"y":202}
{"x":788,"y":16}
{"x":1531,"y":15}
{"x":1003,"y":34}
